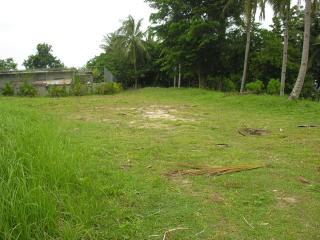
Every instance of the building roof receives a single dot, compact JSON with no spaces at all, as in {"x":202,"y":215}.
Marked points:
{"x":38,"y":71}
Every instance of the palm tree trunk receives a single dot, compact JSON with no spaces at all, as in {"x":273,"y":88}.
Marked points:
{"x":246,"y":58}
{"x":135,"y":75}
{"x":305,"y":53}
{"x":285,"y":52}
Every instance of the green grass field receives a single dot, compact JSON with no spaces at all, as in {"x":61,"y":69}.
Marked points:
{"x":96,"y":167}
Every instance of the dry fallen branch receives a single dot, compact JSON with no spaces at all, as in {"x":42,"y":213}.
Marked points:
{"x":307,"y":126}
{"x":252,"y":131}
{"x":304,"y":180}
{"x":213,"y":171}
{"x":223,"y":145}
{"x":167,"y":233}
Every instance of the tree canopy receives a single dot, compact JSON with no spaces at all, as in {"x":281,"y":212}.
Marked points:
{"x":43,"y":58}
{"x":203,"y":43}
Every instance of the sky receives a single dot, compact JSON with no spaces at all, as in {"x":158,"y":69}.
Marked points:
{"x":74,"y":28}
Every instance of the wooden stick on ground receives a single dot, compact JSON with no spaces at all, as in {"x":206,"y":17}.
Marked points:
{"x":249,"y":224}
{"x":166,"y":234}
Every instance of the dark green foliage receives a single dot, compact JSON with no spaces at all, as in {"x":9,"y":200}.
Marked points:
{"x":207,"y":39}
{"x":27,"y":90}
{"x":256,"y":87}
{"x":309,"y":91}
{"x":228,"y":85}
{"x":273,"y":87}
{"x":266,"y":59}
{"x":7,"y":90}
{"x":97,"y":65}
{"x":108,"y":88}
{"x":43,"y":58}
{"x":57,"y":91}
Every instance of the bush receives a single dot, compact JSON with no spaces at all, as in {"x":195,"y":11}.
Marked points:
{"x":309,"y":90}
{"x":273,"y":87}
{"x":57,"y":91}
{"x":27,"y":90}
{"x":228,"y":86}
{"x":108,"y":88}
{"x":8,"y":90}
{"x":256,"y":87}
{"x":77,"y":88}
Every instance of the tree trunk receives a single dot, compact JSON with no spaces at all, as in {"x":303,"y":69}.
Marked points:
{"x":246,"y":58}
{"x":135,"y":74}
{"x":179,"y":79}
{"x":174,"y":81}
{"x":285,"y":51}
{"x":305,"y":53}
{"x":199,"y":79}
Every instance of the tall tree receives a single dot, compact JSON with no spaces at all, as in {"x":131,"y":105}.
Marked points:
{"x":193,"y":34}
{"x":250,"y":8}
{"x":130,"y":39}
{"x":282,"y":9}
{"x":305,"y":52}
{"x":7,"y":64}
{"x":43,"y":58}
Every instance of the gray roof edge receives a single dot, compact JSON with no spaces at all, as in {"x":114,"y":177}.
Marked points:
{"x":30,"y":71}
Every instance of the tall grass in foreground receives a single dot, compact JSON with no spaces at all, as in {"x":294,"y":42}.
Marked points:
{"x":37,"y":171}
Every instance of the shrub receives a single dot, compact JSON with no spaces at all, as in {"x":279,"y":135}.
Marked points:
{"x":57,"y":91}
{"x":228,"y":85}
{"x":27,"y":90}
{"x":77,"y":88}
{"x":8,"y":90}
{"x":256,"y":87}
{"x":273,"y":87}
{"x":309,"y":90}
{"x":108,"y":88}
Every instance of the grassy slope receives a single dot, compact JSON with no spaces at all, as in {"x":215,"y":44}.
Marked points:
{"x":93,"y":167}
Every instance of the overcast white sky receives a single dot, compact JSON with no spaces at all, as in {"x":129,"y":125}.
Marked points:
{"x":75,"y":28}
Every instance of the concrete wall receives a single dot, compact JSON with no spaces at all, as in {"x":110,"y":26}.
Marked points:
{"x":35,"y":77}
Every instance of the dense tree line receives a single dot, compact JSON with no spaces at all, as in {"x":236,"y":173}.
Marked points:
{"x":209,"y":44}
{"x":218,"y":45}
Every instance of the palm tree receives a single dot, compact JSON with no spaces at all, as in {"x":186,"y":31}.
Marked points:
{"x":250,"y":8}
{"x":249,"y":12}
{"x":282,"y":9}
{"x":130,"y":39}
{"x":305,"y":52}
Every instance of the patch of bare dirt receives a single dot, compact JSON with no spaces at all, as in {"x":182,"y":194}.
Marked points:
{"x":216,"y":197}
{"x":159,"y":114}
{"x":162,"y":112}
{"x":182,"y":182}
{"x":285,"y":200}
{"x":290,"y":200}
